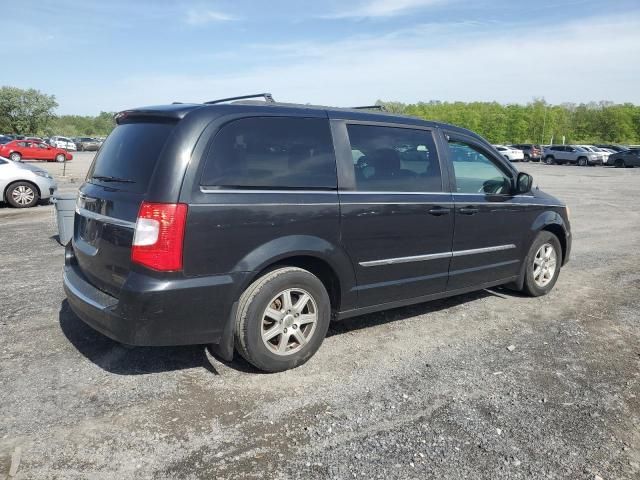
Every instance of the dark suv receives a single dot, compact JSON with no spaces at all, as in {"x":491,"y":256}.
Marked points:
{"x":625,"y":158}
{"x":254,"y":224}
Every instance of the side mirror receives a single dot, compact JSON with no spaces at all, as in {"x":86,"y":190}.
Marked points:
{"x":524,"y":183}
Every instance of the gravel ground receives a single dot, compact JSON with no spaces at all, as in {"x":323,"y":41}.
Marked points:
{"x":428,"y":391}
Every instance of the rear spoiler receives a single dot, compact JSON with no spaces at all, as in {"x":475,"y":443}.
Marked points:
{"x":164,"y":113}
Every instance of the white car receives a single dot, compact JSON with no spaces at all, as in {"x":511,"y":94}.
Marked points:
{"x":62,"y":142}
{"x":510,"y":153}
{"x":23,"y":185}
{"x":603,"y":153}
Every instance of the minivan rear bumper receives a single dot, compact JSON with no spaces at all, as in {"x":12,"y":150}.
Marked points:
{"x":153,"y":312}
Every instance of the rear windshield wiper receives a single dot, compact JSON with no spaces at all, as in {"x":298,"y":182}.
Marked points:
{"x":107,"y":178}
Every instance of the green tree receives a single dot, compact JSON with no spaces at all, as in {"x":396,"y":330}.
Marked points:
{"x":535,"y":122}
{"x":25,"y":111}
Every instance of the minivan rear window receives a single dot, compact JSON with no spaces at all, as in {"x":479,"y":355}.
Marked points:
{"x":129,"y":155}
{"x":272,"y":152}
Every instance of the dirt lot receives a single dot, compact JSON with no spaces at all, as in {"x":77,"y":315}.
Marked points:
{"x":429,"y":391}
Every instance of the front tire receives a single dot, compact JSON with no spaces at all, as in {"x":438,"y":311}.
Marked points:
{"x":619,"y":163}
{"x":549,"y":160}
{"x":543,"y":264}
{"x":582,"y":162}
{"x":60,"y":158}
{"x":15,"y":156}
{"x":282,"y":319}
{"x":22,"y":195}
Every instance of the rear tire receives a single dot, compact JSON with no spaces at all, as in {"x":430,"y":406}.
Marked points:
{"x":22,"y":195}
{"x":619,"y":163}
{"x":542,"y":270}
{"x":275,"y":330}
{"x":527,"y":158}
{"x":582,"y":162}
{"x":549,"y":160}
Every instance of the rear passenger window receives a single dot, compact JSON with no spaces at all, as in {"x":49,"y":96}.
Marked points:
{"x":272,"y":152}
{"x":394,"y":159}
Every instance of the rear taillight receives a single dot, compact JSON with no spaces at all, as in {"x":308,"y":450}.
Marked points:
{"x":159,"y":235}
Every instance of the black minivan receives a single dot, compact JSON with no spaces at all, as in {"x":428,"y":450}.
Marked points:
{"x":251,"y":225}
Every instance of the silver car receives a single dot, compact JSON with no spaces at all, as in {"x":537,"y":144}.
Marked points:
{"x":561,"y":154}
{"x":23,"y":185}
{"x":62,"y":142}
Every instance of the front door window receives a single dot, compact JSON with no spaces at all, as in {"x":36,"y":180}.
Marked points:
{"x":475,"y":172}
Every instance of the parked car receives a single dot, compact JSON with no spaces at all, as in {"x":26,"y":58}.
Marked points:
{"x":62,"y":142}
{"x":23,"y":185}
{"x":593,"y":148}
{"x":616,"y":148}
{"x":562,"y":154}
{"x":18,"y":150}
{"x":510,"y":153}
{"x":626,"y":158}
{"x":5,"y":139}
{"x":87,"y":144}
{"x":531,"y":152}
{"x":255,"y":224}
{"x":608,"y":150}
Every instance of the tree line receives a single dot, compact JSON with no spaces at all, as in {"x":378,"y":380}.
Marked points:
{"x":535,"y":122}
{"x":31,"y":112}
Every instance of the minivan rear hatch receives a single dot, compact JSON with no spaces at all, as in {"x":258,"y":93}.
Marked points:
{"x":110,"y":198}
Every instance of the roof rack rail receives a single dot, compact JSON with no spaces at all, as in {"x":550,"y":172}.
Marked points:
{"x":267,"y":98}
{"x":371,"y":107}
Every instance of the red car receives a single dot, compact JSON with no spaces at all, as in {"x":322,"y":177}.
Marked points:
{"x":18,"y":150}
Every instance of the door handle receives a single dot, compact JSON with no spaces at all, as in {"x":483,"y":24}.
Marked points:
{"x":437,"y":211}
{"x":469,"y":210}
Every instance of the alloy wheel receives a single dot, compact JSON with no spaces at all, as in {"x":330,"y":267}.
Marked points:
{"x":544,"y":265}
{"x":289,"y":321}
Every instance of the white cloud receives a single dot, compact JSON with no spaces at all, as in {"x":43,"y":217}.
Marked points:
{"x":574,"y":62}
{"x":205,"y":16}
{"x":382,"y":8}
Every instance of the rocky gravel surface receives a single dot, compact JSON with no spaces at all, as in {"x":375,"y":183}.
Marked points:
{"x":486,"y":385}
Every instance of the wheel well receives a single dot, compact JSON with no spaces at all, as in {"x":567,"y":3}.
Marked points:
{"x":319,"y":268}
{"x":4,"y":194}
{"x":559,"y":233}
